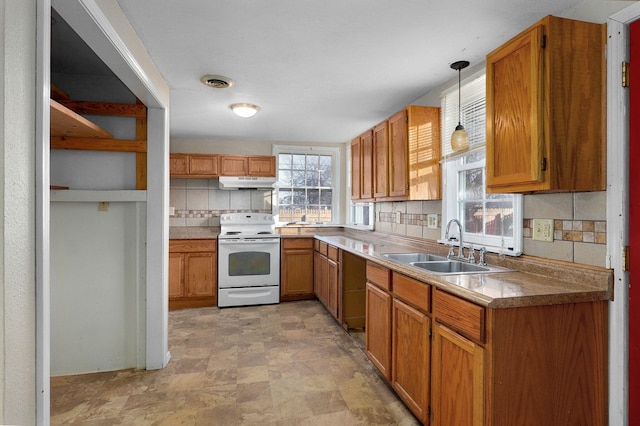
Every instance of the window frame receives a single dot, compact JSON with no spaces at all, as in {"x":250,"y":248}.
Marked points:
{"x":453,"y":163}
{"x":334,"y":152}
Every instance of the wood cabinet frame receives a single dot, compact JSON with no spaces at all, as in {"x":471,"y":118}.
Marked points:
{"x":70,"y":130}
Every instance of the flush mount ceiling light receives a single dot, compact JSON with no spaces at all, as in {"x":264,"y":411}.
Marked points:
{"x":459,"y":138}
{"x":216,"y":81}
{"x":244,"y":110}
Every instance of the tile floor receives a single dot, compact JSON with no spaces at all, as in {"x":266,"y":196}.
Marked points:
{"x":286,"y":364}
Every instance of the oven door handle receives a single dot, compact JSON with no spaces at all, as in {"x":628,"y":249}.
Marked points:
{"x":249,"y":241}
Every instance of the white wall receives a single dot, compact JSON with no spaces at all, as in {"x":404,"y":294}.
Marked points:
{"x":97,"y":286}
{"x":17,"y":213}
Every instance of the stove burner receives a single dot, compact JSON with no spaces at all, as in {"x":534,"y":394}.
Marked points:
{"x":265,"y":232}
{"x":232,"y":233}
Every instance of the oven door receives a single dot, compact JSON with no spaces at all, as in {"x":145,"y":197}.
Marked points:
{"x":248,"y":262}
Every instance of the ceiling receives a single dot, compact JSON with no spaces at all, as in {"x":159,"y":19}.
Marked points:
{"x":321,"y":71}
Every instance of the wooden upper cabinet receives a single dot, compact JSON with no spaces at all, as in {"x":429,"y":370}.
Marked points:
{"x":398,"y":170}
{"x":424,"y":153}
{"x":356,"y":162}
{"x":193,"y":165}
{"x":203,"y":165}
{"x":381,"y":160}
{"x":241,"y":165}
{"x":214,"y":165}
{"x":366,"y":154}
{"x":178,"y":165}
{"x":546,"y":109}
{"x":362,"y":167}
{"x":404,"y":157}
{"x":262,"y":166}
{"x":234,"y":165}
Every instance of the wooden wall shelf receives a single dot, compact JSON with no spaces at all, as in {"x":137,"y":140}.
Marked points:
{"x":65,"y":122}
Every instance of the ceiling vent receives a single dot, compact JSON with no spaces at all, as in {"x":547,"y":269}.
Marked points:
{"x":216,"y":81}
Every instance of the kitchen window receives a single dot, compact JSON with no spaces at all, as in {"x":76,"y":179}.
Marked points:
{"x":307,"y":178}
{"x":493,"y":221}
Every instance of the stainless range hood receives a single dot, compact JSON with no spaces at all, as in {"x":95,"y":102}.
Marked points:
{"x":247,"y":182}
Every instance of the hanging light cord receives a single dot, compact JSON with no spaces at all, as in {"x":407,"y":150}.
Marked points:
{"x":459,"y":100}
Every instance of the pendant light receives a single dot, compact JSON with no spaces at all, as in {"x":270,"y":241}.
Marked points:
{"x":459,"y":138}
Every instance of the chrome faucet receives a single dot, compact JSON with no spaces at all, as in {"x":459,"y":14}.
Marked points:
{"x":447,"y":238}
{"x":483,"y":252}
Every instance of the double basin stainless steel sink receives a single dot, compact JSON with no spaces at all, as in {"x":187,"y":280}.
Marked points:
{"x":440,"y":265}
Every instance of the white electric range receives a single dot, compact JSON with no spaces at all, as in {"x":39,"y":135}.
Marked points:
{"x":248,"y":260}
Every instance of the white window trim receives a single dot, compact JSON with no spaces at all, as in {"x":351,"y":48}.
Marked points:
{"x":512,"y":246}
{"x":335,"y":176}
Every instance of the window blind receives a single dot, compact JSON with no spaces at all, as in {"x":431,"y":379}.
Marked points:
{"x":472,"y":114}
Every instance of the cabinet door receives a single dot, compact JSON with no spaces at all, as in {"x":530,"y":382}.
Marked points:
{"x":458,"y":379}
{"x":381,"y":161}
{"x":206,"y":165}
{"x":178,"y":165}
{"x":200,"y":273}
{"x":378,"y":329}
{"x":297,"y":273}
{"x":411,"y":355}
{"x":264,"y":166}
{"x":176,"y":275}
{"x":424,"y":153}
{"x":366,"y":168}
{"x":320,"y":286}
{"x":356,"y":172}
{"x":398,"y":171}
{"x":233,"y":165}
{"x":515,"y":136}
{"x":332,"y":287}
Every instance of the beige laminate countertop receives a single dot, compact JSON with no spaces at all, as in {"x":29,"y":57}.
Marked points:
{"x":193,"y":232}
{"x":563,"y":284}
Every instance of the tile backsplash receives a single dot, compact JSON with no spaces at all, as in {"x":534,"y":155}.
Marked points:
{"x":580,"y":228}
{"x":200,"y":202}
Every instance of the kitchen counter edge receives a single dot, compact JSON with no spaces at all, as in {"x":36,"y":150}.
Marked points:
{"x":495,"y":290}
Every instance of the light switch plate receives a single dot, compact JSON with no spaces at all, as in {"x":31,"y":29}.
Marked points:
{"x":543,"y":229}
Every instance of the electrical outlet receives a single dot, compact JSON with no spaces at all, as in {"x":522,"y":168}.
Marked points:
{"x":398,"y":217}
{"x":432,"y":220}
{"x":543,"y":229}
{"x":103,"y":206}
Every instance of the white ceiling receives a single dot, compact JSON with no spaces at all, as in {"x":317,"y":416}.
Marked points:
{"x":321,"y":71}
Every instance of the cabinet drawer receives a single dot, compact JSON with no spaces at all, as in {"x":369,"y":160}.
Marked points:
{"x":190,"y":246}
{"x":332,"y":253}
{"x":379,"y":275}
{"x":412,"y":291}
{"x":323,"y":248}
{"x":297,"y":243}
{"x":464,"y":317}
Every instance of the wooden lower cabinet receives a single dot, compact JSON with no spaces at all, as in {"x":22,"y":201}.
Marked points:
{"x":320,"y":274}
{"x":542,"y":365}
{"x":192,"y":273}
{"x":297,"y":269}
{"x":378,"y":328}
{"x":332,"y":287}
{"x":327,"y":277}
{"x":458,"y":380}
{"x":339,"y":284}
{"x":411,"y":353}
